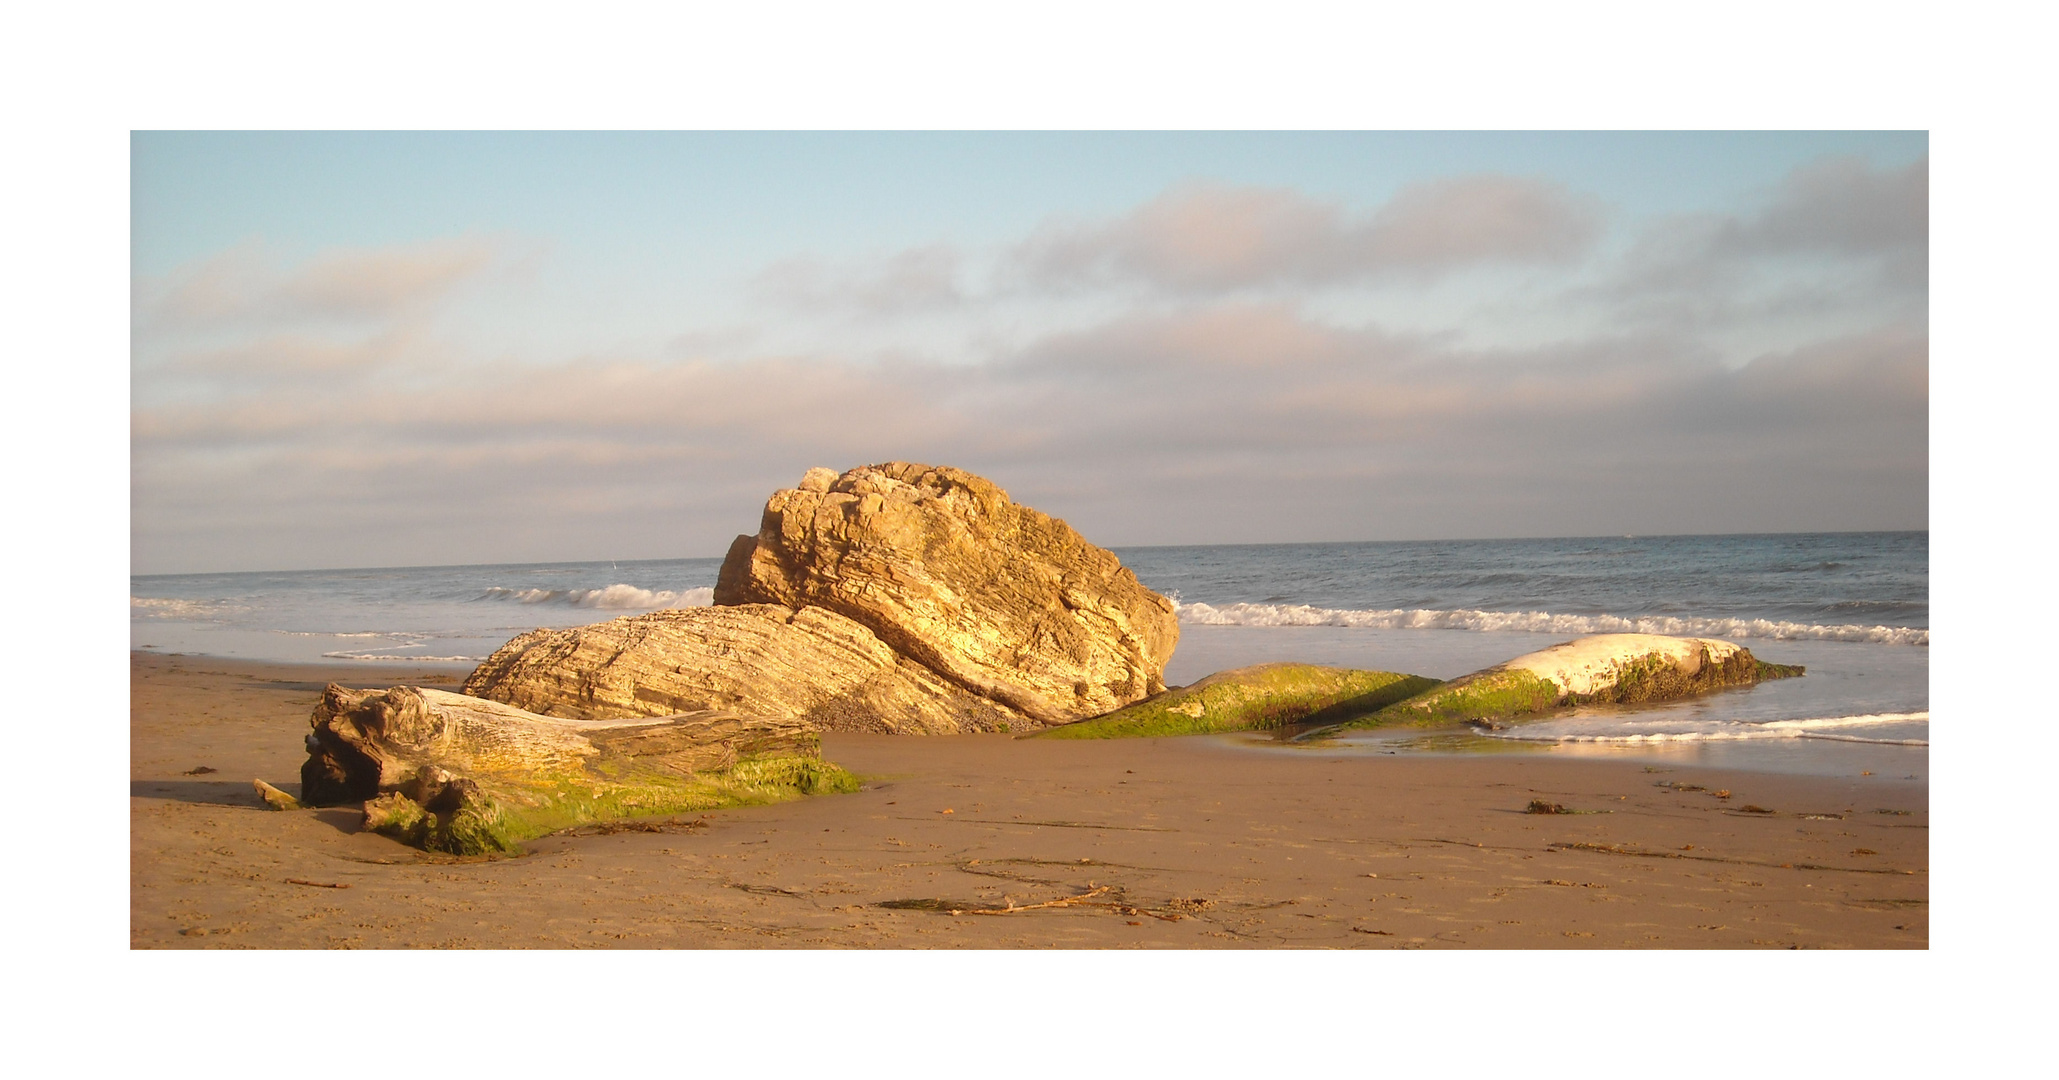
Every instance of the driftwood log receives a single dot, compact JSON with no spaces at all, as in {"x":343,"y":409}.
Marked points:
{"x":468,"y":776}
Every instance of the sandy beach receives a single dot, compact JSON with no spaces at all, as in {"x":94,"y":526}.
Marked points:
{"x":1149,"y":843}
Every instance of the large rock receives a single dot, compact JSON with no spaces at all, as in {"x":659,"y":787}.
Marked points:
{"x":1002,"y":601}
{"x":813,"y":665}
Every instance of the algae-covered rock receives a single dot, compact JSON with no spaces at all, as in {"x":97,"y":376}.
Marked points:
{"x":397,"y":816}
{"x":463,"y":775}
{"x":1261,"y":697}
{"x":1003,"y":601}
{"x":1601,"y":669}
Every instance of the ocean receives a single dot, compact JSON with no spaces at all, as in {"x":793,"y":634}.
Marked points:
{"x":1852,"y":607}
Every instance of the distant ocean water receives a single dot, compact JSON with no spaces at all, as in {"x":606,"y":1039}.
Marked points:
{"x":1853,"y":607}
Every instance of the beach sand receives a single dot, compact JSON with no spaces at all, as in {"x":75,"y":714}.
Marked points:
{"x":1150,"y":843}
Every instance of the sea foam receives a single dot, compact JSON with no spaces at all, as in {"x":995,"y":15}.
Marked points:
{"x":1539,"y":622}
{"x":617,"y":597}
{"x":153,"y":607}
{"x":423,"y":659}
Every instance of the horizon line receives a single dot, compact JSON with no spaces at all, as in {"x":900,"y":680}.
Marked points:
{"x":1109,"y":547}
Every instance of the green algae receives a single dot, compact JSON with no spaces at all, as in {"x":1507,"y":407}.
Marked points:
{"x":650,"y":792}
{"x":809,"y":776}
{"x":1496,"y":693}
{"x":1501,"y":694}
{"x":1767,"y":671}
{"x":1260,"y":698}
{"x":1655,"y":677}
{"x":474,"y":822}
{"x":483,"y":827}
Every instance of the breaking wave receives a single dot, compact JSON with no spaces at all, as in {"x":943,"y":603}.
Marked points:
{"x":325,"y":633}
{"x":1539,"y":622}
{"x":151,"y":607}
{"x":613,"y":597}
{"x":397,"y":656}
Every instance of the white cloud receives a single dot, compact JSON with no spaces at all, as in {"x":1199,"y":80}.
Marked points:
{"x":245,"y":286}
{"x":914,"y":280}
{"x":1834,"y":234}
{"x":1208,"y":238}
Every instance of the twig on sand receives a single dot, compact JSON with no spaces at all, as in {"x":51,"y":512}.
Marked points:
{"x":318,"y":884}
{"x":1184,"y":908}
{"x":1012,"y":907}
{"x":1087,"y":900}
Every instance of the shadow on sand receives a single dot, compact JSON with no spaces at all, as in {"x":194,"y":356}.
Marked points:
{"x":207,"y":792}
{"x":344,"y":819}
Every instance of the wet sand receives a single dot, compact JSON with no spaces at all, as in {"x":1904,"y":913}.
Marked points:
{"x":1156,"y":843}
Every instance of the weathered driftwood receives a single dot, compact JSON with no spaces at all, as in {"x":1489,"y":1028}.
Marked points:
{"x":465,"y":775}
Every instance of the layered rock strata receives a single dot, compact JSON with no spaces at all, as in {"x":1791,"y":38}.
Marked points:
{"x":1007,"y":603}
{"x":812,"y":665}
{"x":896,"y":597}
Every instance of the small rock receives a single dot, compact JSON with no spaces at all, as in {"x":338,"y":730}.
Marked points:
{"x":274,"y":798}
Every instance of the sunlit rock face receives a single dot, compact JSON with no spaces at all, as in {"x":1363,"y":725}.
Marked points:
{"x":1000,"y":599}
{"x":762,"y":659}
{"x":896,"y":597}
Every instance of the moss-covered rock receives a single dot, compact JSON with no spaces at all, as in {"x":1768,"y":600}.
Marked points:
{"x":1492,"y":694}
{"x":1262,"y":697}
{"x":1601,"y":669}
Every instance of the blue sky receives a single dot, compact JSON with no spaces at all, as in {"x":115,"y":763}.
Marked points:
{"x":512,"y":347}
{"x":761,"y":195}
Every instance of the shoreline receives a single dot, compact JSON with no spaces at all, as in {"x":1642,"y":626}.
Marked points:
{"x":1193,"y":843}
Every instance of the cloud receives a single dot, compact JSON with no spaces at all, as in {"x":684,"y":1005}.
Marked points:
{"x":245,"y":287}
{"x":1212,"y":239}
{"x":913,"y":280}
{"x":1230,"y":423}
{"x":1177,"y":374}
{"x":1835,"y":233}
{"x":290,"y":356}
{"x":1842,"y":205}
{"x":1441,"y":225}
{"x":1881,"y":377}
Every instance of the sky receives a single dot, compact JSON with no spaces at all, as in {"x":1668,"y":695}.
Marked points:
{"x":381,"y":349}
